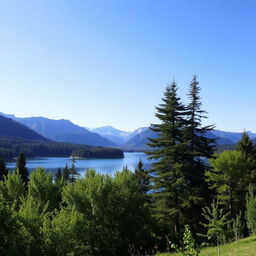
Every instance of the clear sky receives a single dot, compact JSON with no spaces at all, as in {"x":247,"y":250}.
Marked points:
{"x":107,"y":62}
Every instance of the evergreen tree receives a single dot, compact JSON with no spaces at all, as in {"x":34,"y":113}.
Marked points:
{"x":167,"y":175}
{"x":143,"y":179}
{"x":246,"y":146}
{"x":58,"y":175}
{"x":73,"y":174}
{"x":66,"y":173}
{"x":21,"y":167}
{"x":3,"y":170}
{"x":199,"y":148}
{"x":251,"y":211}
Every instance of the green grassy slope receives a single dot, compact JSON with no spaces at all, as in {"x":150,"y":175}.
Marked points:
{"x":243,"y":247}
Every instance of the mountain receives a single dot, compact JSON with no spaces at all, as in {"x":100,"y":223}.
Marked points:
{"x":141,"y":139}
{"x":118,"y":137}
{"x":232,"y":136}
{"x":63,"y":131}
{"x":137,"y":132}
{"x":16,"y":137}
{"x":9,"y":127}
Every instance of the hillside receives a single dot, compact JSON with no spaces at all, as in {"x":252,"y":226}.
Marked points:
{"x":11,"y":146}
{"x":223,"y":138}
{"x":116,"y":136}
{"x":243,"y":247}
{"x":16,"y":137}
{"x":9,"y":127}
{"x":63,"y":131}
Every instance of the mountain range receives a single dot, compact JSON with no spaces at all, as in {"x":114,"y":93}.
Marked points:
{"x":65,"y":131}
{"x":16,"y":137}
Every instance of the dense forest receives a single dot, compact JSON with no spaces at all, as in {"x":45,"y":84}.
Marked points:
{"x":10,"y":147}
{"x":192,"y":196}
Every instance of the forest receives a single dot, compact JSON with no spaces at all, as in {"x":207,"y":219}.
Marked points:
{"x":192,"y":196}
{"x":11,"y":146}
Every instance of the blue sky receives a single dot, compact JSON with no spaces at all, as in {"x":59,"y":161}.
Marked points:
{"x":108,"y":62}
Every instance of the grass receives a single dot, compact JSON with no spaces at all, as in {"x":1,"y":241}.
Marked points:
{"x":243,"y":247}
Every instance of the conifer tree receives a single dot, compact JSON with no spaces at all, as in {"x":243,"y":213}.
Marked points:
{"x":199,"y":148}
{"x":58,"y":175}
{"x":21,"y":167}
{"x":248,"y":149}
{"x":3,"y":170}
{"x":143,"y":179}
{"x":167,"y":171}
{"x":245,"y":145}
{"x":66,"y":173}
{"x":73,"y":174}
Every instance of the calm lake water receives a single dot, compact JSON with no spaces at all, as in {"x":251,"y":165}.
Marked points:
{"x":106,"y":166}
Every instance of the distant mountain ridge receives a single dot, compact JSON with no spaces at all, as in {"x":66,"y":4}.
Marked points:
{"x":65,"y":131}
{"x":16,"y":137}
{"x":222,"y":137}
{"x":11,"y":128}
{"x":62,"y":131}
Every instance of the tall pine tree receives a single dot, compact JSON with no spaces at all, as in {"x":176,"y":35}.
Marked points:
{"x":167,"y":173}
{"x":3,"y":170}
{"x":199,"y":148}
{"x":143,"y":179}
{"x":21,"y":167}
{"x":246,"y":146}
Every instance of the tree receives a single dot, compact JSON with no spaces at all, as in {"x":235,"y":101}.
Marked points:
{"x":246,"y":146}
{"x":3,"y":170}
{"x":167,"y":172}
{"x":199,"y":148}
{"x":251,"y":211}
{"x":11,"y":240}
{"x":189,"y":247}
{"x":12,"y":188}
{"x":42,"y":190}
{"x":229,"y":178}
{"x":66,"y":173}
{"x":143,"y":179}
{"x":21,"y":167}
{"x":58,"y":175}
{"x":73,"y":174}
{"x":216,"y":223}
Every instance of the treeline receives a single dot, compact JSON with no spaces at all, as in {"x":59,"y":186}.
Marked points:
{"x":10,"y":147}
{"x":93,"y":215}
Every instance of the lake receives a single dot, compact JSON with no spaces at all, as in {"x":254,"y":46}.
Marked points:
{"x":106,"y":166}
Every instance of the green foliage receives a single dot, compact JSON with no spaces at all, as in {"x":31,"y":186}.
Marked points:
{"x":168,"y":179}
{"x":189,"y":247}
{"x":42,"y":189}
{"x":143,"y":179}
{"x":21,"y":166}
{"x":10,"y":147}
{"x":216,"y":223}
{"x":245,"y":145}
{"x":238,"y":226}
{"x":251,"y":211}
{"x":3,"y":170}
{"x":11,"y":239}
{"x":65,"y":233}
{"x":12,"y":188}
{"x":229,"y":177}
